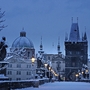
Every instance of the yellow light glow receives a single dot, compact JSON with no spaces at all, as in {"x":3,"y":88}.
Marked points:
{"x":33,"y":60}
{"x":45,"y":65}
{"x":49,"y":68}
{"x":86,"y":71}
{"x":82,"y":72}
{"x":76,"y":75}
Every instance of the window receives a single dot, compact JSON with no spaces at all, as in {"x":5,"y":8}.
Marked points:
{"x":10,"y":65}
{"x":10,"y":79}
{"x":48,"y":57}
{"x":18,"y":72}
{"x":9,"y":73}
{"x":28,"y":54}
{"x":28,"y":66}
{"x":58,"y":66}
{"x":18,"y":78}
{"x":18,"y":65}
{"x":28,"y":73}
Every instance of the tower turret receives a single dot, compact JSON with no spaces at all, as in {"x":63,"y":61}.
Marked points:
{"x":41,"y":48}
{"x":85,"y":36}
{"x":58,"y":46}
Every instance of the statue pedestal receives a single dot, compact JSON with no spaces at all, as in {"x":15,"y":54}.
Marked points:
{"x":3,"y":77}
{"x":3,"y":65}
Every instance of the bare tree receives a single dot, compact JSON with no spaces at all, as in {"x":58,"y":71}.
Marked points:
{"x":1,"y":20}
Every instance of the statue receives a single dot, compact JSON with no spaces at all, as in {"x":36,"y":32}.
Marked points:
{"x":3,"y":64}
{"x":3,"y":47}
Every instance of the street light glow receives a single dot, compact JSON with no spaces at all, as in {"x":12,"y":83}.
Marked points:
{"x":45,"y":65}
{"x":76,"y":75}
{"x":33,"y":59}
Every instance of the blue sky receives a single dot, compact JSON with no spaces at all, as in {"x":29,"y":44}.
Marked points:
{"x":47,"y":18}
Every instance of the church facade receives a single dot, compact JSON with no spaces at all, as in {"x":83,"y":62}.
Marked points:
{"x":76,"y":52}
{"x":20,"y":66}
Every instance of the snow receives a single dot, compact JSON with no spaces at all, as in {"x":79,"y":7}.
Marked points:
{"x":2,"y":76}
{"x":61,"y":86}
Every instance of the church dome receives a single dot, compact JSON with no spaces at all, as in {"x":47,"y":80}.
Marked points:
{"x":22,"y":41}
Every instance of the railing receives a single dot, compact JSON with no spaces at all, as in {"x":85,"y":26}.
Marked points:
{"x":7,"y":85}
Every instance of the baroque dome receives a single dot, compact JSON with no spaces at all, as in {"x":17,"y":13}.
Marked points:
{"x":22,"y":41}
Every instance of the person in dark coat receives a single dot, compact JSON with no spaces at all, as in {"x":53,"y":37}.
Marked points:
{"x":59,"y":78}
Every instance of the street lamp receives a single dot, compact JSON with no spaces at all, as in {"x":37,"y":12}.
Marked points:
{"x":87,"y":74}
{"x":45,"y":69}
{"x":33,"y":60}
{"x":76,"y":77}
{"x":49,"y":73}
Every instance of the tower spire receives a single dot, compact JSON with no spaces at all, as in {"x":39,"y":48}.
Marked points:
{"x":41,"y":46}
{"x":41,"y":49}
{"x":85,"y":35}
{"x":58,"y":46}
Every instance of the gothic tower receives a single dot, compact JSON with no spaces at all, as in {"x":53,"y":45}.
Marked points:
{"x":76,"y":52}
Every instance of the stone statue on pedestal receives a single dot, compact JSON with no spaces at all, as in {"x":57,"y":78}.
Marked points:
{"x":3,"y":47}
{"x":3,"y":64}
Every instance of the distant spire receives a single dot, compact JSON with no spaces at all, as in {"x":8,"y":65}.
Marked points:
{"x":41,"y":46}
{"x":58,"y":47}
{"x":85,"y":35}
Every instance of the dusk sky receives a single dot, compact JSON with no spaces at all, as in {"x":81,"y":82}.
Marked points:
{"x":47,"y":18}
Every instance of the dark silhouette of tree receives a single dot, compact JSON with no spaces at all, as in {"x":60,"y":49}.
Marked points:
{"x":2,"y":14}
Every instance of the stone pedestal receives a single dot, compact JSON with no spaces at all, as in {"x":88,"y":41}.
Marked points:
{"x":3,"y":70}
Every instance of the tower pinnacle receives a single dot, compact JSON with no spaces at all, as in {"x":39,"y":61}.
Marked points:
{"x":58,"y":46}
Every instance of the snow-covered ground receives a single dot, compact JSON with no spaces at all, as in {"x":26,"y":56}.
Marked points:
{"x":61,"y":86}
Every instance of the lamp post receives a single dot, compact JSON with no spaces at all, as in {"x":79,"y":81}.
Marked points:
{"x":33,"y":60}
{"x":87,"y":74}
{"x":49,"y":74}
{"x":76,"y":77}
{"x":45,"y":69}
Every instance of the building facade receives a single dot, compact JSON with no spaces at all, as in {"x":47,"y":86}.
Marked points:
{"x":20,"y":66}
{"x":76,"y":52}
{"x":56,"y":62}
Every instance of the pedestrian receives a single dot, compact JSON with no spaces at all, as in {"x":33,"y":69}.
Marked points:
{"x":59,"y":78}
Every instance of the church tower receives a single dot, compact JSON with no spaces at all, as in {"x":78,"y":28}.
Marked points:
{"x":76,"y":52}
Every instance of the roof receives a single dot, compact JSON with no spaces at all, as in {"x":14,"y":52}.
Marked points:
{"x":74,"y":33}
{"x":22,"y":41}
